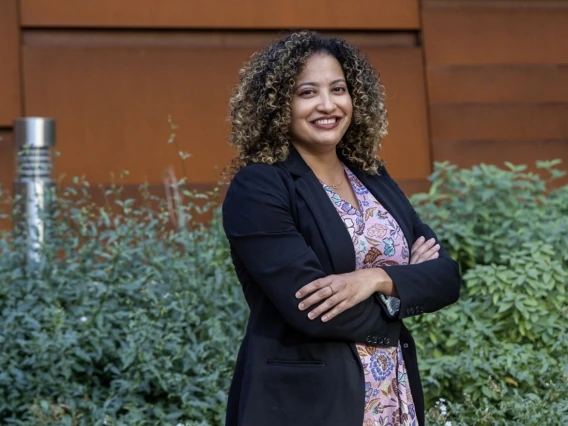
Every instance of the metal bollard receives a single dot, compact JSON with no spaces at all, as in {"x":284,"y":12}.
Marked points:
{"x":34,"y":138}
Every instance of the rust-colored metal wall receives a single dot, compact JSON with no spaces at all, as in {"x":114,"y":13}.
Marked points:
{"x":111,"y":94}
{"x":222,"y":14}
{"x":10,"y":99}
{"x":111,"y":73}
{"x":497,"y":75}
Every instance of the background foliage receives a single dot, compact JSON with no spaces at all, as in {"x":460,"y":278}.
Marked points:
{"x":130,"y":322}
{"x":136,"y":316}
{"x":500,"y":355}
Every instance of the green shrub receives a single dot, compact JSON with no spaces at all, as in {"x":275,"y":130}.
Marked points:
{"x":486,"y":211}
{"x":136,"y":316}
{"x":499,"y":355}
{"x":130,"y":322}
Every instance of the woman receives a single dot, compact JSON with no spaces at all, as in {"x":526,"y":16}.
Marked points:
{"x":320,"y":237}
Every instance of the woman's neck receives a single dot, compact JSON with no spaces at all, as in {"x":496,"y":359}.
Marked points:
{"x":326,"y":165}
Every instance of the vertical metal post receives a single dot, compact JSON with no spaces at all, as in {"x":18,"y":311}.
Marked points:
{"x":34,"y":138}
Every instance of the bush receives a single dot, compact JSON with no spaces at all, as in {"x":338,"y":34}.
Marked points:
{"x":136,"y":316}
{"x":500,"y":355}
{"x":130,"y":322}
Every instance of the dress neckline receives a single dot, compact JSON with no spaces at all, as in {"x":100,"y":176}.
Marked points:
{"x":349,"y":177}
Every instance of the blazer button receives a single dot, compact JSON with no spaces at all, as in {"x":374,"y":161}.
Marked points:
{"x":371,"y":340}
{"x":387,"y":341}
{"x":381,"y":341}
{"x":405,"y":345}
{"x":411,"y":311}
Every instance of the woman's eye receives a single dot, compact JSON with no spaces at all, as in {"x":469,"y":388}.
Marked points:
{"x":339,"y":89}
{"x":307,"y":92}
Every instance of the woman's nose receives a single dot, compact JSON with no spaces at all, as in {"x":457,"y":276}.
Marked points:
{"x":326,"y":104}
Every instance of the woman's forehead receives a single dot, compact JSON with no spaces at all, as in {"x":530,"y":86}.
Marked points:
{"x":321,"y":67}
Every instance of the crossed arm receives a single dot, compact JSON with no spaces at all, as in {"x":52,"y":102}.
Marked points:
{"x":341,"y":292}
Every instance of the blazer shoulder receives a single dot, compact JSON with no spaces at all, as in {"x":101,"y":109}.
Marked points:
{"x":259,"y":170}
{"x":259,"y":179}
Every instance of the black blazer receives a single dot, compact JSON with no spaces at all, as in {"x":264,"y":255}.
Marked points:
{"x":284,"y":233}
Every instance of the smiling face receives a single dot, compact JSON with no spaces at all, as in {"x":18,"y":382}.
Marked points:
{"x":321,"y":105}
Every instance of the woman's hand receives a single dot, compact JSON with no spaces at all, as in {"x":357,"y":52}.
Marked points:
{"x":424,"y":250}
{"x":341,"y":292}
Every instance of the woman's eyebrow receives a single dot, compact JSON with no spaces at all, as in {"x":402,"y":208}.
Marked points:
{"x":311,"y":83}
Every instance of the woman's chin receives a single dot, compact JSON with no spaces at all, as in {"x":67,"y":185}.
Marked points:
{"x":328,"y":142}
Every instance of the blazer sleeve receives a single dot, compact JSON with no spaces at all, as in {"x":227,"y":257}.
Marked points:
{"x":427,"y":286}
{"x":259,"y":224}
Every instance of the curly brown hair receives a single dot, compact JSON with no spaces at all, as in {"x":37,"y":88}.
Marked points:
{"x":260,"y":109}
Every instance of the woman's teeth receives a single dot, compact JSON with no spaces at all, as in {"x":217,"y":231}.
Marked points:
{"x":326,"y":121}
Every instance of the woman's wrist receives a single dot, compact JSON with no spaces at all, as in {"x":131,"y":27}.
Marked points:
{"x":383,"y":282}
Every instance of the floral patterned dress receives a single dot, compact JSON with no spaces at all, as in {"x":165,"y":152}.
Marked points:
{"x":378,"y":242}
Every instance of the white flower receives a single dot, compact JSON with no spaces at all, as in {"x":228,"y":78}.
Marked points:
{"x":83,"y":319}
{"x":441,"y":404}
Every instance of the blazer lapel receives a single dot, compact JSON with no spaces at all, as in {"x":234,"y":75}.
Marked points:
{"x":332,"y":229}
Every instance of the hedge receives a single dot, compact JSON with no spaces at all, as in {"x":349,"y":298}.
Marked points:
{"x":134,"y":321}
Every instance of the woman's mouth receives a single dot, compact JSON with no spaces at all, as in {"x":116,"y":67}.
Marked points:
{"x":326,"y":123}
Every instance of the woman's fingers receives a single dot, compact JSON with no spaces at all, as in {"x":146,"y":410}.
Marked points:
{"x":422,"y":243}
{"x":314,"y":285}
{"x":330,"y":303}
{"x":430,"y":254}
{"x":316,"y":297}
{"x":422,"y":250}
{"x":334,"y":294}
{"x":331,"y":291}
{"x":340,"y":307}
{"x":418,"y":243}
